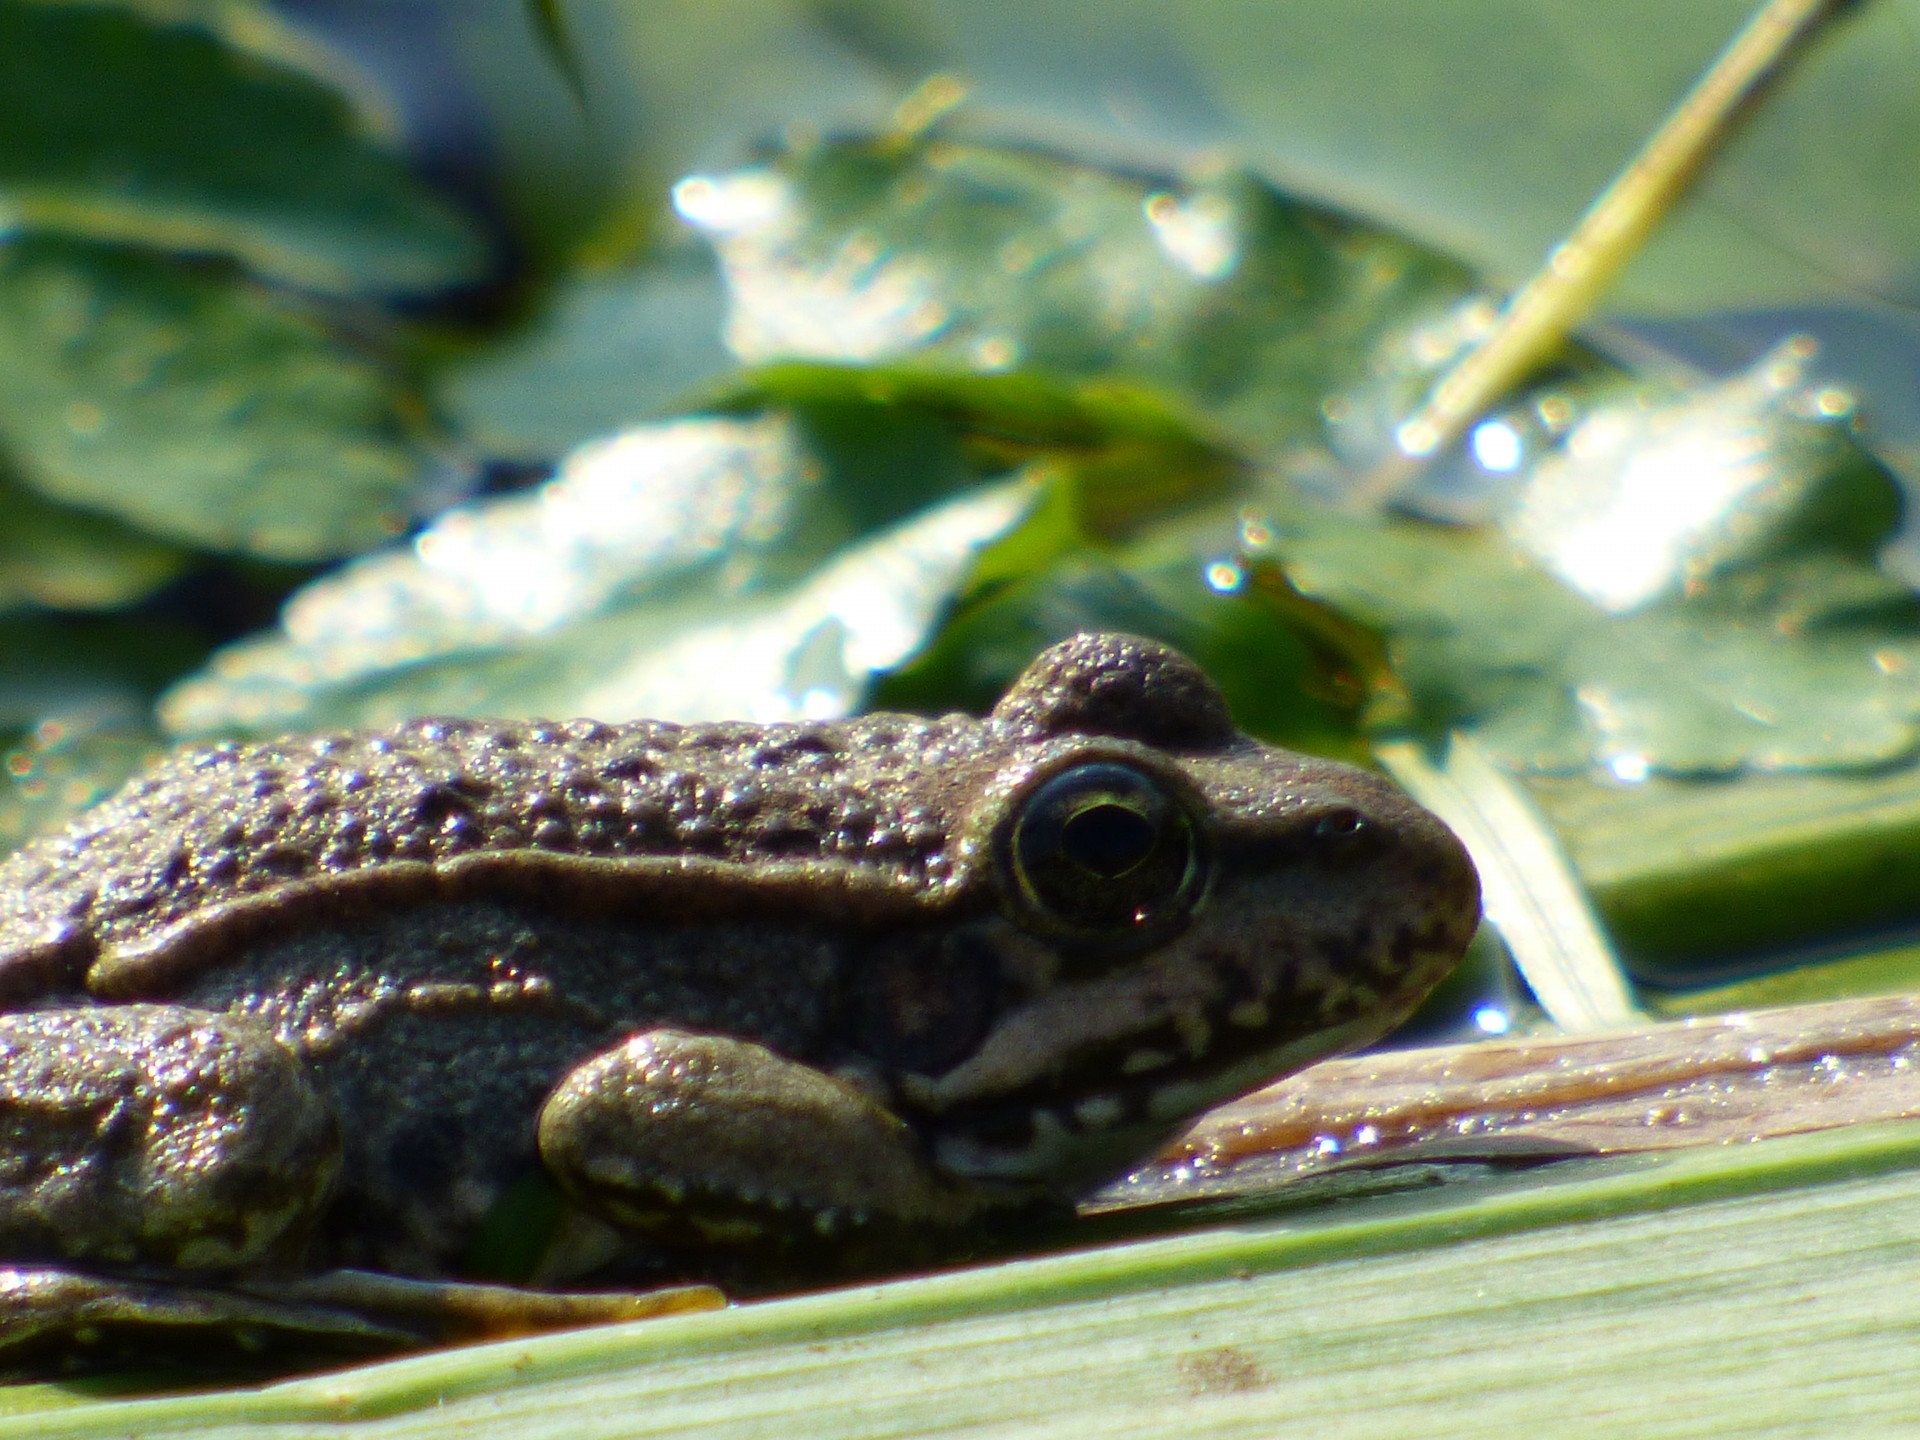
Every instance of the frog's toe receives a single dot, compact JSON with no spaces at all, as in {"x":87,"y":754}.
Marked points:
{"x":156,"y":1135}
{"x":59,"y":1319}
{"x":452,"y":1310}
{"x":719,"y":1142}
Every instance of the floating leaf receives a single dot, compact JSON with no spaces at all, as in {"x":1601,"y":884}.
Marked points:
{"x":1294,"y":671}
{"x":1807,"y":661}
{"x":195,"y":405}
{"x":120,"y":126}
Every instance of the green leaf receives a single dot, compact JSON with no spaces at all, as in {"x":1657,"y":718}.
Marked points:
{"x":1597,"y":1297}
{"x":1738,"y":537}
{"x":196,"y":405}
{"x":119,"y":126}
{"x":74,"y":697}
{"x":832,"y":510}
{"x":1696,"y":875}
{"x":1247,"y":306}
{"x":607,"y":350}
{"x":67,"y":560}
{"x":1293,"y":671}
{"x":619,"y":569}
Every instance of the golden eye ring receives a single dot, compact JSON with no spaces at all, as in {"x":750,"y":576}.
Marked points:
{"x":1107,"y":854}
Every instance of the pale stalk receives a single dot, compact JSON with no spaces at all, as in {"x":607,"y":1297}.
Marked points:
{"x":1539,"y":318}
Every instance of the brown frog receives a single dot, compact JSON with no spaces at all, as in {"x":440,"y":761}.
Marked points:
{"x":292,"y":1028}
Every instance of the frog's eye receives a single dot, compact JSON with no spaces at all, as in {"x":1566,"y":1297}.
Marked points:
{"x":1105,"y":851}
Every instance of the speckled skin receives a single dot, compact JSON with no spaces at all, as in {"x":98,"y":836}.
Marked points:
{"x":440,"y":923}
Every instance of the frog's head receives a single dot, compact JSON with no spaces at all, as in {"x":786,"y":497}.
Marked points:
{"x":1181,"y":914}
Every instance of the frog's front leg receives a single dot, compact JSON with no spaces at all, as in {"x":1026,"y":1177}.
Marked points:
{"x":720,"y":1143}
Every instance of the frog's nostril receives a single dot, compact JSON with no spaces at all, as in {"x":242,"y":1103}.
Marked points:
{"x":1336,"y":824}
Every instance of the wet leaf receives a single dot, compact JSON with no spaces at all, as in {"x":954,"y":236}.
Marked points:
{"x":1650,"y":498}
{"x":1133,"y":457}
{"x":194,"y":405}
{"x":1247,"y":306}
{"x":651,"y":553}
{"x":120,"y":126}
{"x":1801,"y":662}
{"x":1293,"y":671}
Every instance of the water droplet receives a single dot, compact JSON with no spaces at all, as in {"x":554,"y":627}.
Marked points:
{"x":1225,"y":576}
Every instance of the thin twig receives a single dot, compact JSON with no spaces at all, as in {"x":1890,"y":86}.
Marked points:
{"x":1539,"y":318}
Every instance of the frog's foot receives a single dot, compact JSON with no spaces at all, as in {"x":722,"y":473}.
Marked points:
{"x":158,"y":1137}
{"x":722,"y":1144}
{"x":447,"y":1310}
{"x":53,"y":1319}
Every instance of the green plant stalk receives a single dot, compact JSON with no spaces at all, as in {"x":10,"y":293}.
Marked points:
{"x":1693,"y":875}
{"x":1717,"y":1291}
{"x":1578,"y":270}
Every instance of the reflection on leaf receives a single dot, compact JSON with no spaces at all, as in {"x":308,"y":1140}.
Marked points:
{"x":1802,"y":658}
{"x":625,"y":519}
{"x":598,"y":593}
{"x":1643,"y":501}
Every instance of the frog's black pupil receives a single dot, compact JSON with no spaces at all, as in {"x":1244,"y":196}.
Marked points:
{"x":1103,"y":855}
{"x":1107,"y":839}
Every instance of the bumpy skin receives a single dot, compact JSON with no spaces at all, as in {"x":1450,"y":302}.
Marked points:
{"x":770,"y":983}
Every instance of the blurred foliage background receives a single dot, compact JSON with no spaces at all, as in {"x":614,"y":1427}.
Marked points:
{"x":774,"y":360}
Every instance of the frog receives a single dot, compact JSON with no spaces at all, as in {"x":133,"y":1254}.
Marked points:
{"x":286,"y":1026}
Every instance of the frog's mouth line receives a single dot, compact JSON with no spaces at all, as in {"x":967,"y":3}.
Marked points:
{"x":1073,"y":1141}
{"x":1085,"y":1122}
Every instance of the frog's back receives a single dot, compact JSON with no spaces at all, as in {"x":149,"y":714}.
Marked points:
{"x":218,"y":845}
